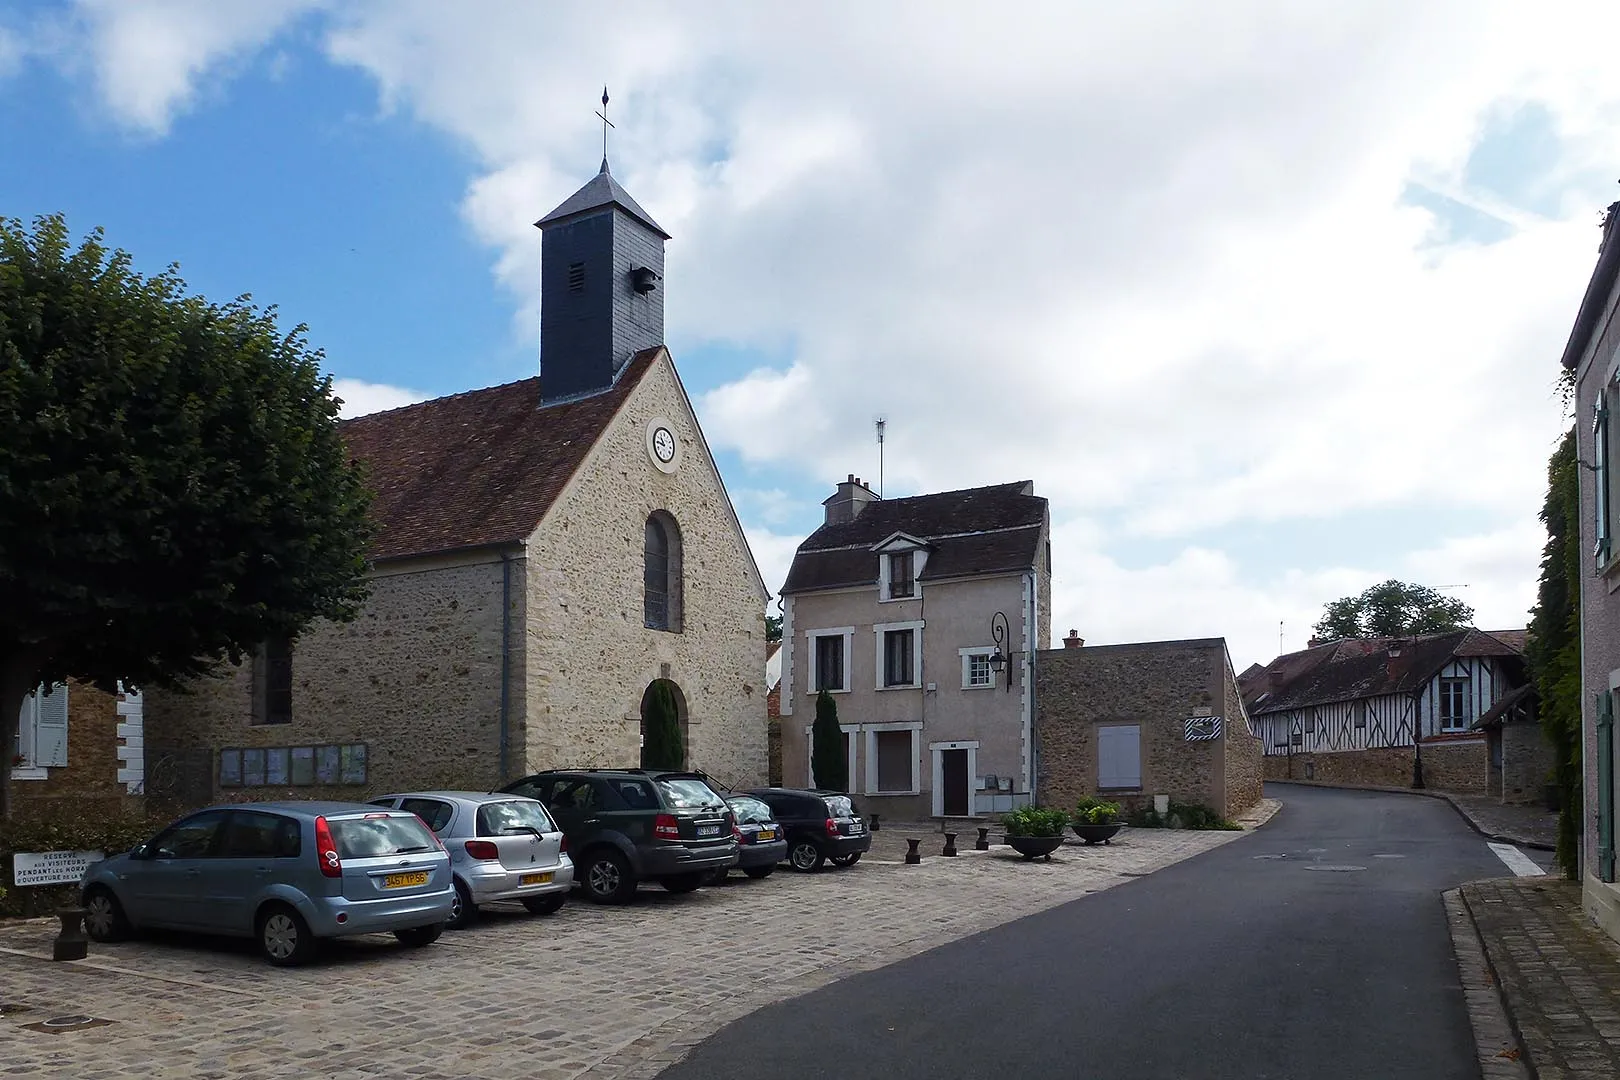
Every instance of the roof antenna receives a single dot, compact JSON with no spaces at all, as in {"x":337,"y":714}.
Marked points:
{"x":606,"y":123}
{"x":882,"y":425}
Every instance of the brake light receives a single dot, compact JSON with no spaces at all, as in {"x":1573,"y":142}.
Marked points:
{"x":563,"y":848}
{"x":736,"y":832}
{"x":832,"y":827}
{"x":665,"y":828}
{"x":482,"y":849}
{"x":326,"y":851}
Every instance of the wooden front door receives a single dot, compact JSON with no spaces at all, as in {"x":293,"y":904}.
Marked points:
{"x":954,"y":776}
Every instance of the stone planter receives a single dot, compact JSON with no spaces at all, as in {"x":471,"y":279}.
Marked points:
{"x":1097,"y":834}
{"x":1035,"y":847}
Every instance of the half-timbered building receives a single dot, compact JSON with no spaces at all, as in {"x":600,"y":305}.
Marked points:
{"x":1385,"y":711}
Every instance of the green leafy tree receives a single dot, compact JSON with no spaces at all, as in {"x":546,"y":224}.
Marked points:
{"x":828,"y":763}
{"x":1554,"y":646}
{"x":661,"y":743}
{"x":1393,"y":609}
{"x":773,"y":628}
{"x":173,"y":487}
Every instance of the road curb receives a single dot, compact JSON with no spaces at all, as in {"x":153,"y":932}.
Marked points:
{"x":1501,"y":838}
{"x":1497,"y":1047}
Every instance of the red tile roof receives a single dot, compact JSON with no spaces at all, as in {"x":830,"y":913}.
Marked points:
{"x":480,"y":468}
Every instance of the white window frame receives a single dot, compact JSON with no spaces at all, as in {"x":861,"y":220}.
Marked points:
{"x":884,"y":577}
{"x":968,"y":655}
{"x":872,"y":731}
{"x":936,"y":750}
{"x":1458,"y":722}
{"x":845,"y":632}
{"x":879,"y":632}
{"x":27,"y":742}
{"x":854,"y":733}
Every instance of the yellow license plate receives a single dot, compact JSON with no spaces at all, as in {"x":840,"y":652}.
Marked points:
{"x":766,"y":834}
{"x":534,"y":879}
{"x":405,"y":881}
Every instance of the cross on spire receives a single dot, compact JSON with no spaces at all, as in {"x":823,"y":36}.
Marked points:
{"x":606,"y":123}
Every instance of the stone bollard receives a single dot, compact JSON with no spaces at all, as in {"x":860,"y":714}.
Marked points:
{"x":950,"y":845}
{"x":70,"y":944}
{"x":983,"y":842}
{"x":912,"y":858}
{"x":874,"y":823}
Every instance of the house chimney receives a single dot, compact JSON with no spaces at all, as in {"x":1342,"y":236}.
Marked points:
{"x":1313,"y":643}
{"x":1074,"y":640}
{"x":848,"y":501}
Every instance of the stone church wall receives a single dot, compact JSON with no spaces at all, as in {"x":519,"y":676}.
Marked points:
{"x":589,"y":656}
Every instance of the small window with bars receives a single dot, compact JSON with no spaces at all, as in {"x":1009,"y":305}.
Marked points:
{"x":902,"y":583}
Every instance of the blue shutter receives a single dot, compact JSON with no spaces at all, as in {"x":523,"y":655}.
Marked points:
{"x":51,"y":729}
{"x":1600,"y":477}
{"x":1605,"y":785}
{"x":1119,"y":757}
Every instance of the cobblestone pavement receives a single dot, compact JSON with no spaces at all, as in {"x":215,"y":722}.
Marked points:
{"x":618,"y":992}
{"x":1559,"y":975}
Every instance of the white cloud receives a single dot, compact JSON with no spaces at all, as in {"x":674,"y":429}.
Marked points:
{"x":359,"y":398}
{"x":1152,"y":256}
{"x":149,"y":60}
{"x":774,"y":554}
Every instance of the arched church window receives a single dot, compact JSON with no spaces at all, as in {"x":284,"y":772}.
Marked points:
{"x":662,"y":581}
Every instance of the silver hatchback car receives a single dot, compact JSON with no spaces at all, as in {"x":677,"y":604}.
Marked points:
{"x":286,"y":874}
{"x":502,"y":847}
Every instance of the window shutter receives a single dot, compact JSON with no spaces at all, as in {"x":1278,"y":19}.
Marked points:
{"x":1605,"y":784}
{"x":51,"y":731}
{"x":1600,"y":476}
{"x":1119,"y":760}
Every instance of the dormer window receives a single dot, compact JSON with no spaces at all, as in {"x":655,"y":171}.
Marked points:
{"x":902,"y":578}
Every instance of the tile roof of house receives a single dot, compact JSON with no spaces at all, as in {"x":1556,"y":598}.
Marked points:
{"x":982,"y":530}
{"x":480,"y":468}
{"x":1509,"y":702}
{"x":1589,"y":318}
{"x":1361,"y":667}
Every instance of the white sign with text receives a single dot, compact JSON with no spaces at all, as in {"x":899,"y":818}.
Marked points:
{"x":52,"y":867}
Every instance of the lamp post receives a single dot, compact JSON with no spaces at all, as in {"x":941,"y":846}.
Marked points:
{"x":1002,"y":657}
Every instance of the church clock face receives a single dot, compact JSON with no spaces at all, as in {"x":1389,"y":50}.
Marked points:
{"x":662,"y":446}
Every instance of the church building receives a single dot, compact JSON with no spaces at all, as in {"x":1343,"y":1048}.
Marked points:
{"x":546,"y":552}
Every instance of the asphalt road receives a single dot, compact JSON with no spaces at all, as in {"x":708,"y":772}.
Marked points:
{"x":1254,"y":961}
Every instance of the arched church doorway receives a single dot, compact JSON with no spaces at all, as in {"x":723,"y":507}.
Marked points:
{"x":663,"y":726}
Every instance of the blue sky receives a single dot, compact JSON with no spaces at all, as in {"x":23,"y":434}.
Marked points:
{"x":1268,"y":319}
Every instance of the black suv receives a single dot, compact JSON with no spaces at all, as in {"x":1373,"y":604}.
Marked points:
{"x":820,"y":825}
{"x":626,"y":825}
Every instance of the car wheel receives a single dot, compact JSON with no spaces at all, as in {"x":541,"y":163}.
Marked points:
{"x":284,"y":937}
{"x":104,"y":916}
{"x":806,"y":855}
{"x":846,"y":860}
{"x":463,"y":912}
{"x":418,"y":936}
{"x":544,"y":905}
{"x":682,"y":883}
{"x":608,"y":879}
{"x":758,"y":872}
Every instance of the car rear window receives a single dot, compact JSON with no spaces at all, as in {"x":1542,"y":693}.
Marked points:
{"x":689,"y":793}
{"x":380,"y":834}
{"x":512,"y":819}
{"x":749,"y":811}
{"x":841,"y":806}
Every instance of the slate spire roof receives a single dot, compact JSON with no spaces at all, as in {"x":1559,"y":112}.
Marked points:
{"x":984,"y":530}
{"x":600,"y":191}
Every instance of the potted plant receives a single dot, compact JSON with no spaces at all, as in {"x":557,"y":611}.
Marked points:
{"x":1096,"y":821}
{"x":1034,"y":832}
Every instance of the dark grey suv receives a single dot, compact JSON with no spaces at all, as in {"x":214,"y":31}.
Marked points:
{"x":628,"y":825}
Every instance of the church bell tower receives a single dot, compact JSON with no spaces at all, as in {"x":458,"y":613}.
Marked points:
{"x":601,"y":288}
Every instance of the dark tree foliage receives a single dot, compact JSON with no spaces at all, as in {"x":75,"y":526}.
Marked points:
{"x":173,"y":487}
{"x":661,"y":743}
{"x":1392,"y":609}
{"x":829,"y":765}
{"x":773,"y":628}
{"x":1554,"y":647}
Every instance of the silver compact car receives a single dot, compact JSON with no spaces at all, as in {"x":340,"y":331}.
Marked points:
{"x":502,"y":847}
{"x":286,"y":874}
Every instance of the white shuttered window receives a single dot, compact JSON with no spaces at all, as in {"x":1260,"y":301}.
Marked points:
{"x":42,"y":729}
{"x":1119,"y":756}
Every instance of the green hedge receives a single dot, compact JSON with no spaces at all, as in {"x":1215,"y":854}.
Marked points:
{"x":109,"y":835}
{"x":1181,"y":816}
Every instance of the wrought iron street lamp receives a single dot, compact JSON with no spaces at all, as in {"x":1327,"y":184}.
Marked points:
{"x":1002,"y":657}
